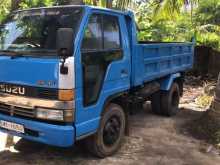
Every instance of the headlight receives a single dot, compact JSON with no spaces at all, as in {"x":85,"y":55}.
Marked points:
{"x":49,"y":114}
{"x":56,"y":115}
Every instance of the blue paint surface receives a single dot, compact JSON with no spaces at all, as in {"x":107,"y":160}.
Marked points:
{"x":167,"y":82}
{"x":29,"y":70}
{"x":62,"y":136}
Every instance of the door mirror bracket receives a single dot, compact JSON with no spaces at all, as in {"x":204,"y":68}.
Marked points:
{"x":64,"y":41}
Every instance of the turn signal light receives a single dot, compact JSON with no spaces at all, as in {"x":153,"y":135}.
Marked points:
{"x":66,"y":95}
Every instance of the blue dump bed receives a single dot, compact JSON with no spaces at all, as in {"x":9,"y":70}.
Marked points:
{"x":152,"y":61}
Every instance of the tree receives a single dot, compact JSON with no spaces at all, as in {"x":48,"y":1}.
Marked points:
{"x":162,"y":29}
{"x":69,"y":2}
{"x":170,"y":9}
{"x":119,"y":4}
{"x":5,"y":6}
{"x":207,"y":18}
{"x":202,"y":24}
{"x":15,"y":4}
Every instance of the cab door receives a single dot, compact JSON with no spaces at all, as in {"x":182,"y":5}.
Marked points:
{"x":105,"y":68}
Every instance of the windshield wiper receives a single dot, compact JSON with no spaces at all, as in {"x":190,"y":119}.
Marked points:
{"x":15,"y":54}
{"x":41,"y":52}
{"x":11,"y":52}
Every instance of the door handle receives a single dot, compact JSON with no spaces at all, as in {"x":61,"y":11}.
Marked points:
{"x":124,"y":73}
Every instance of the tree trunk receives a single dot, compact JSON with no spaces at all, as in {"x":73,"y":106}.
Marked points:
{"x":15,"y":4}
{"x":109,"y":3}
{"x":74,"y":2}
{"x":95,"y":2}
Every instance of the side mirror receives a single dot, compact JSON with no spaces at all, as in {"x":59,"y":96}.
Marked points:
{"x":64,"y":41}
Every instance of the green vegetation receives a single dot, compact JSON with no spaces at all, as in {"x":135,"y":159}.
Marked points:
{"x":199,"y":19}
{"x":161,"y":27}
{"x":117,"y":4}
{"x":207,"y":21}
{"x":158,"y":20}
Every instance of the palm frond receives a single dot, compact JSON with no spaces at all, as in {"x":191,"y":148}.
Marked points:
{"x":170,"y":9}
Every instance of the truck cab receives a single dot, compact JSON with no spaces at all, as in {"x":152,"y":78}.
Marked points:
{"x":68,"y":73}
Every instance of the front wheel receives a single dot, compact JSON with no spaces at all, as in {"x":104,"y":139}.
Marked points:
{"x":110,"y":134}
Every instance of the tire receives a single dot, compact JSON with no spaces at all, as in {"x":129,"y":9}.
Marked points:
{"x":170,"y":101}
{"x":155,"y":103}
{"x":110,"y":134}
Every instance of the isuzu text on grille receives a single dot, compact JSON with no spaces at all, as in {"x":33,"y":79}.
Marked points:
{"x":12,"y":89}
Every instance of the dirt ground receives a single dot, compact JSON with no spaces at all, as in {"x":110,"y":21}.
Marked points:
{"x":154,"y":140}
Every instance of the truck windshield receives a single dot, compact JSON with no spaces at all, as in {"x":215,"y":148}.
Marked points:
{"x":34,"y":31}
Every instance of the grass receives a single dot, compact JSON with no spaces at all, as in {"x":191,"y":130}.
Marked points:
{"x":204,"y":101}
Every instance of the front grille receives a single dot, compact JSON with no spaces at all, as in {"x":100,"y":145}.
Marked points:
{"x":16,"y":111}
{"x":29,"y":91}
{"x":47,"y":93}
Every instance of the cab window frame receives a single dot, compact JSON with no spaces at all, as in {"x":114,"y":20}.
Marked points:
{"x":96,"y":62}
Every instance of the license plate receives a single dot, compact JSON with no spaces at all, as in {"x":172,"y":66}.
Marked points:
{"x":12,"y":126}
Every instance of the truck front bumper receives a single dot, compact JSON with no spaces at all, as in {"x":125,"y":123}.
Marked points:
{"x":56,"y":135}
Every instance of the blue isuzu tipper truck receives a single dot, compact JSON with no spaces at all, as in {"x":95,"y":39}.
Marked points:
{"x":75,"y":72}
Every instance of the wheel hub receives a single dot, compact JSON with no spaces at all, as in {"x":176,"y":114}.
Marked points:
{"x":111,"y":131}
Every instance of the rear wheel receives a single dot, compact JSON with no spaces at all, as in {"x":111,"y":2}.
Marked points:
{"x":170,"y":101}
{"x":155,"y":103}
{"x":111,"y":131}
{"x":166,"y":102}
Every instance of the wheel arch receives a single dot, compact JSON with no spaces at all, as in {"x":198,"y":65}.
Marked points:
{"x":167,"y":82}
{"x":121,"y":100}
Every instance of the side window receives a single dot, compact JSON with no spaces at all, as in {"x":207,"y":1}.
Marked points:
{"x":111,"y":33}
{"x":93,"y":34}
